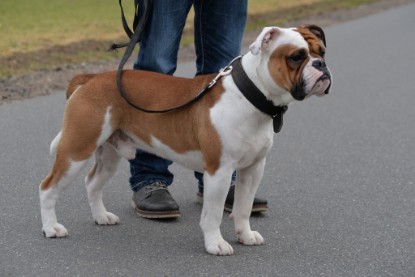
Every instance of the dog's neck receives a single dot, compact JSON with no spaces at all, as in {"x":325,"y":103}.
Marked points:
{"x":264,"y":82}
{"x":256,"y":97}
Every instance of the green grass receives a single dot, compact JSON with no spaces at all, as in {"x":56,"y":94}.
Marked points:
{"x":29,"y":25}
{"x":32,"y":31}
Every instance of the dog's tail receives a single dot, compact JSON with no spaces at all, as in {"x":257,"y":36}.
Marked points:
{"x":77,"y":82}
{"x":54,"y":144}
{"x":74,"y":84}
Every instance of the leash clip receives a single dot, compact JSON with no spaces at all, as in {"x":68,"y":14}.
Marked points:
{"x":223,"y":72}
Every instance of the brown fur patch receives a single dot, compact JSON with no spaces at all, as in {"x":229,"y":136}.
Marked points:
{"x":284,"y":73}
{"x":315,"y":44}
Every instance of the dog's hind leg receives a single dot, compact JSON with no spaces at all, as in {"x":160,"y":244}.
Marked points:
{"x":216,"y":187}
{"x":107,"y":158}
{"x":248,"y":180}
{"x":62,"y":174}
{"x":106,"y":163}
{"x":74,"y":146}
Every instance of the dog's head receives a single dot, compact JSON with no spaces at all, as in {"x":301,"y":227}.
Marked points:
{"x":293,"y":61}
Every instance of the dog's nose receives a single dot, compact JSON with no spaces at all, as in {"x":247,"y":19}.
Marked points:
{"x":318,"y":64}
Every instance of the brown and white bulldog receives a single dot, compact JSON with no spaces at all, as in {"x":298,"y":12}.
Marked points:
{"x":224,"y":131}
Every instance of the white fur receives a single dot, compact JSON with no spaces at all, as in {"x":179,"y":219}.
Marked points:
{"x":216,"y":187}
{"x":106,"y":127}
{"x":190,"y":159}
{"x":248,"y":182}
{"x":263,"y":39}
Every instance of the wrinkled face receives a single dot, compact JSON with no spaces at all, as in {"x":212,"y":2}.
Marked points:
{"x":295,"y":59}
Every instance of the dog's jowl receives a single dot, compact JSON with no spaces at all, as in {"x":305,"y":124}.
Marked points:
{"x":230,"y":128}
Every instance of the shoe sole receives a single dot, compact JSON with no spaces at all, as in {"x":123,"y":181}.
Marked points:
{"x":147,"y":214}
{"x":260,"y":208}
{"x":255,"y":208}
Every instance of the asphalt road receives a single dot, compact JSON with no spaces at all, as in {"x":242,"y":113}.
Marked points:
{"x":339,"y":181}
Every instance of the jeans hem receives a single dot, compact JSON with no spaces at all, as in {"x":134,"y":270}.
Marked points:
{"x":139,"y":185}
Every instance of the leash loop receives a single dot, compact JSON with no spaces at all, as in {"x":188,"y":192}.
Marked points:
{"x":223,"y":72}
{"x":139,"y":24}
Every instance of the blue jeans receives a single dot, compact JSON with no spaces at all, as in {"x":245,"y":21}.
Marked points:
{"x":218,"y":31}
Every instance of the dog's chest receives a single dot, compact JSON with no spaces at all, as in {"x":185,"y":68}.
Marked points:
{"x":246,"y":134}
{"x":254,"y":148}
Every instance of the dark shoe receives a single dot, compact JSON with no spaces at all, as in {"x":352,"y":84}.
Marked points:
{"x":260,"y":205}
{"x":155,"y":201}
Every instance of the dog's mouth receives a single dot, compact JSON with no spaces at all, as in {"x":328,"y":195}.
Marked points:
{"x":322,"y":85}
{"x":312,"y":85}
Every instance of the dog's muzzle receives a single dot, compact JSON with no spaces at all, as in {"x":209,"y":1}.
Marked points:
{"x":320,"y":65}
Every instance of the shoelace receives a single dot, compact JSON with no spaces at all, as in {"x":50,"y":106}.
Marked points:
{"x":154,"y":187}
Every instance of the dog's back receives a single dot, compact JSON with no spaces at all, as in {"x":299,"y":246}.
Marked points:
{"x":76,"y":82}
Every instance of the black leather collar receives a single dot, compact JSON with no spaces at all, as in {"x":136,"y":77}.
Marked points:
{"x":255,"y":96}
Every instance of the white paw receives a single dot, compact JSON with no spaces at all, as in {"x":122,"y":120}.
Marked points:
{"x":219,"y":248}
{"x":250,"y":238}
{"x":55,"y":231}
{"x":107,"y":219}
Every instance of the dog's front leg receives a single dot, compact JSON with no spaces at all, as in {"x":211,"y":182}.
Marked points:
{"x":216,"y":187}
{"x":245,"y":190}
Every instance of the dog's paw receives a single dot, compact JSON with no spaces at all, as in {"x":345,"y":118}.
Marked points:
{"x":250,"y":238}
{"x":55,"y":231}
{"x":219,"y":248}
{"x":106,"y":218}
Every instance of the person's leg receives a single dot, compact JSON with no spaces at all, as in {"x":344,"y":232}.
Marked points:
{"x":219,"y":28}
{"x":158,"y":53}
{"x":161,"y":36}
{"x":199,"y":177}
{"x":147,"y":168}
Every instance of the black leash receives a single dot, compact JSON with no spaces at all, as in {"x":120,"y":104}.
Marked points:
{"x":137,"y":18}
{"x":134,"y":39}
{"x":255,"y":96}
{"x":200,"y":94}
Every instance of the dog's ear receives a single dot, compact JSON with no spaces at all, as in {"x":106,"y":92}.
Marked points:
{"x":317,"y":31}
{"x":262,"y":41}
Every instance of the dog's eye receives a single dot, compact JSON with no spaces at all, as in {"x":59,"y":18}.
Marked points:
{"x":297,"y":58}
{"x":322,"y":53}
